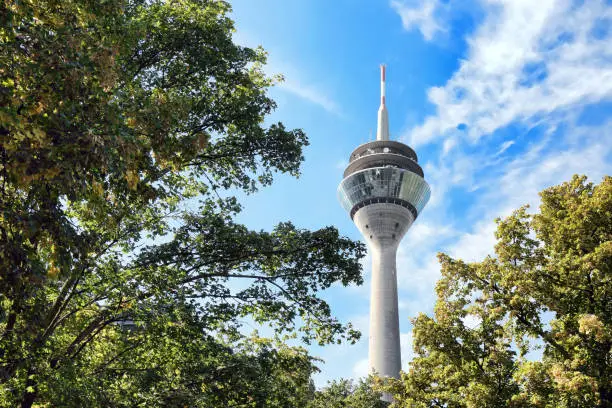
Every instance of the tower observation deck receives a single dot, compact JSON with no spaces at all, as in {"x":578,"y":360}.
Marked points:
{"x":383,"y":191}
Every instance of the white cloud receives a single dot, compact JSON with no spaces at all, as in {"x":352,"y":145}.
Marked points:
{"x":361,"y":368}
{"x":362,"y":323}
{"x":422,"y":15}
{"x":475,"y":245}
{"x":416,"y":273}
{"x":526,"y":60}
{"x":341,"y":164}
{"x":309,"y":92}
{"x":295,"y":80}
{"x":428,"y":232}
{"x":472,"y":321}
{"x":448,"y":145}
{"x":407,"y":351}
{"x":345,"y":360}
{"x":505,"y":146}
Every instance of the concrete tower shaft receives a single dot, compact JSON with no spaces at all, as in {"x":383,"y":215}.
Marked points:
{"x":383,"y":191}
{"x":383,"y":227}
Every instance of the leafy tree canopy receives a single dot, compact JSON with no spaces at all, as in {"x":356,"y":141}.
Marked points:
{"x":549,"y":285}
{"x":346,"y":393}
{"x":124,"y":277}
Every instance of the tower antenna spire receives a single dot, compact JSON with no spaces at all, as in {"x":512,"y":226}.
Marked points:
{"x":382,"y":84}
{"x":382,"y":132}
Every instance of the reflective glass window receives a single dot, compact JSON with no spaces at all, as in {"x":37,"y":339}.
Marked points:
{"x":384,"y":182}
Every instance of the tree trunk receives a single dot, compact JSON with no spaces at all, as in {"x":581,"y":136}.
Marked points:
{"x":605,"y":395}
{"x":29,"y":397}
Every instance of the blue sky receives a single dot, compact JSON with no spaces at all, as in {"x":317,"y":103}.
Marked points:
{"x":500,"y":99}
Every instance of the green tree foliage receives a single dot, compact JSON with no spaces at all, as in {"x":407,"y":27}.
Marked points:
{"x":345,"y":393}
{"x":555,"y":264}
{"x":121,"y":124}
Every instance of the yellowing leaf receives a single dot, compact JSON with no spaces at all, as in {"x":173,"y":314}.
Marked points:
{"x":202,"y":140}
{"x":97,"y":188}
{"x":132,"y":179}
{"x":53,"y":271}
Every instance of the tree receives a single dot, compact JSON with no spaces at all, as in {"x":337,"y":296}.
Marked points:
{"x":345,"y":393}
{"x":550,"y":283}
{"x":252,"y":373}
{"x":122,"y":123}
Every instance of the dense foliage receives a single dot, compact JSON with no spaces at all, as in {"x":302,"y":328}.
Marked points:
{"x":123,"y":277}
{"x":549,"y":285}
{"x":346,"y":393}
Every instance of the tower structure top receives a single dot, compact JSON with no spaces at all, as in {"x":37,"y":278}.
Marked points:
{"x":382,"y":132}
{"x":384,"y":191}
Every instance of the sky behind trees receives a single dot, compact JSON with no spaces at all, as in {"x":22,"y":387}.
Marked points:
{"x":500,"y":99}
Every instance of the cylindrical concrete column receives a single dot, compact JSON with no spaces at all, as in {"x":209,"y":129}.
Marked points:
{"x":384,"y":344}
